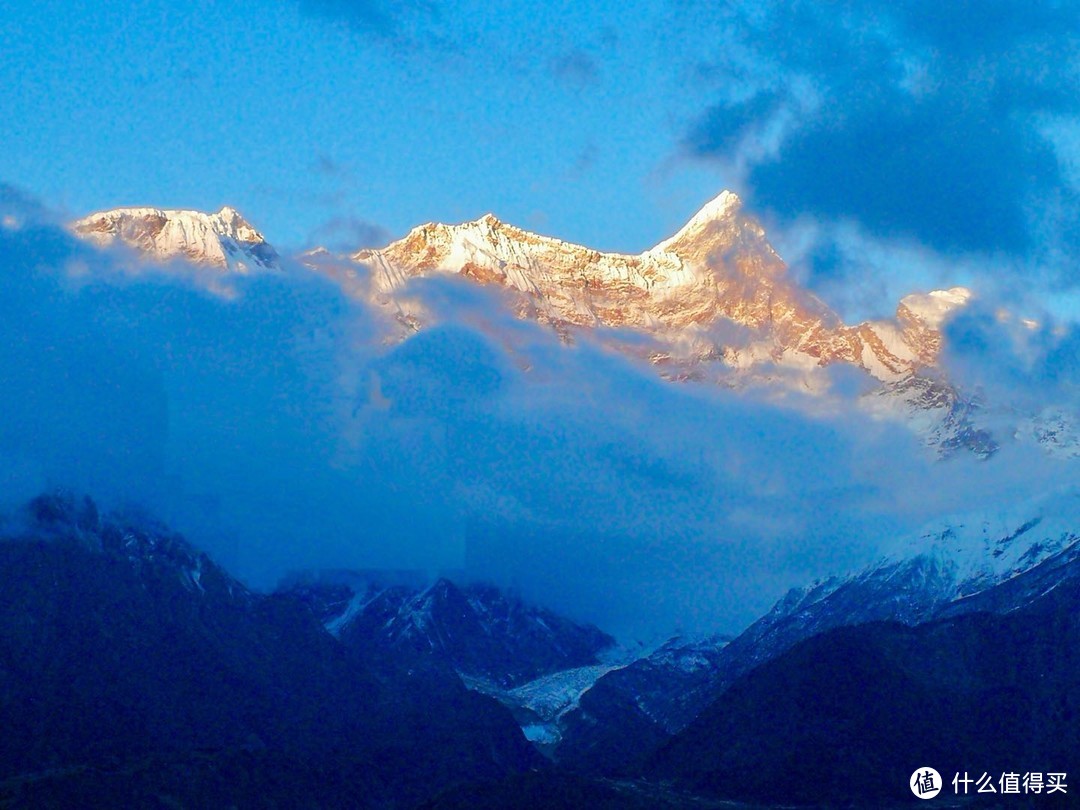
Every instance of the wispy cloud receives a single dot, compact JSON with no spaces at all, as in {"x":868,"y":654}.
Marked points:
{"x":326,"y":166}
{"x":349,"y":233}
{"x":395,"y":21}
{"x":576,"y":68}
{"x":1024,"y":362}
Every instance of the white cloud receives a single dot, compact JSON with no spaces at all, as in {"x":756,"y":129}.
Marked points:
{"x":277,"y":430}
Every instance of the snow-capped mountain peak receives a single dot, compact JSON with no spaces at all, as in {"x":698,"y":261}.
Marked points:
{"x":722,"y":207}
{"x":224,"y":239}
{"x":933,"y":308}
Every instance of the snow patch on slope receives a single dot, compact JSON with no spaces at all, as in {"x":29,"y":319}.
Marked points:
{"x":982,"y":549}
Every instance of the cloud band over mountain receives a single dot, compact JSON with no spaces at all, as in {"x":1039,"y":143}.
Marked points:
{"x":271,"y":424}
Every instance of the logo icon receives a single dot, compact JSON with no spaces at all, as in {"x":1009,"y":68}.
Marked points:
{"x":925,"y":783}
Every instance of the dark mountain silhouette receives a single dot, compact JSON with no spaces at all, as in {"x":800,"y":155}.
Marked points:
{"x":477,"y":630}
{"x":966,"y":565}
{"x":132,"y":667}
{"x":848,"y":715}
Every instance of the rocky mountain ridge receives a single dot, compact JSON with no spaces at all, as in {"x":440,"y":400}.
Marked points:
{"x":996,"y":560}
{"x":718,"y":269}
{"x":712,"y":303}
{"x":477,"y":630}
{"x":136,"y":672}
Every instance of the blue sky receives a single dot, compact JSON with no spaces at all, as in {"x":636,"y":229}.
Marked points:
{"x":307,"y":114}
{"x":944,"y":132}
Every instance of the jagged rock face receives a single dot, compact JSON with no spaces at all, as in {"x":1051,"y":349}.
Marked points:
{"x":719,"y":268}
{"x":476,"y":630}
{"x":225,"y":239}
{"x":1055,"y":429}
